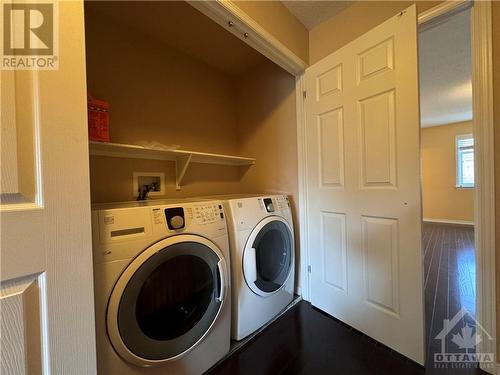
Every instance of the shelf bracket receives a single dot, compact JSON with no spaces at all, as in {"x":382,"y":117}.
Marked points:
{"x":181,"y":165}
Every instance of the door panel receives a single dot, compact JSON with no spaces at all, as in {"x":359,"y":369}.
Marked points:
{"x":378,"y":143}
{"x":331,"y":147}
{"x":380,"y":252}
{"x":20,"y":325}
{"x":334,"y":247}
{"x":376,"y":60}
{"x":362,"y":137}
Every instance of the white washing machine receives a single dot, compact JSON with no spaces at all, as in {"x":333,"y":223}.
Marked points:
{"x":262,"y":259}
{"x":162,"y":287}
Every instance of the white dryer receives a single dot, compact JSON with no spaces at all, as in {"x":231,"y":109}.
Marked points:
{"x":262,"y":259}
{"x":162,"y":287}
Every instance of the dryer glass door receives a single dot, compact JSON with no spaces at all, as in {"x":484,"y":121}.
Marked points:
{"x":268,"y":258}
{"x":170,"y":301}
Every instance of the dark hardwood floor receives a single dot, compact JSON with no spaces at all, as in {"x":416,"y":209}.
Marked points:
{"x":450,"y":285}
{"x":308,"y":341}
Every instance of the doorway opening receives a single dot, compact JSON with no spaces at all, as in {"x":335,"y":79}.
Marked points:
{"x":448,"y":183}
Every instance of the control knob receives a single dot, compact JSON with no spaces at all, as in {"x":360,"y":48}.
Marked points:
{"x":176,"y":222}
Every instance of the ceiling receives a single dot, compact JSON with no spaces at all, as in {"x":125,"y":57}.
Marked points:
{"x":445,"y":71}
{"x":311,"y":13}
{"x":180,"y":26}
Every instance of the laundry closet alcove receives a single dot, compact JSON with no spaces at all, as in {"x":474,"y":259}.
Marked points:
{"x":173,"y":76}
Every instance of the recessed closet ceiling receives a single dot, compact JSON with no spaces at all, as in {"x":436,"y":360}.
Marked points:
{"x":311,"y":13}
{"x":445,"y":71}
{"x":179,"y":25}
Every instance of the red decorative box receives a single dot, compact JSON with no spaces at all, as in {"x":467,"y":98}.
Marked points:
{"x":98,"y":115}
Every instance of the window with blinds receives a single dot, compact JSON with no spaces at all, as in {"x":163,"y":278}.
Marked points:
{"x":465,"y":161}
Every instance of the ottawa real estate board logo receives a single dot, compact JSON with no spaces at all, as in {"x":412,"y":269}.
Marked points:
{"x":30,"y":35}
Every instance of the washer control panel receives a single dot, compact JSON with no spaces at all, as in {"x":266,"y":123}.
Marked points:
{"x":177,"y":218}
{"x":207,"y":213}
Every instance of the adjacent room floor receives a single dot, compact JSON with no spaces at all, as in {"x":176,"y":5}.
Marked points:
{"x":449,"y":284}
{"x":307,"y":341}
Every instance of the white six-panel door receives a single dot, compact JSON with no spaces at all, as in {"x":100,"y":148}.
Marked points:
{"x":46,"y":278}
{"x":364,"y":232}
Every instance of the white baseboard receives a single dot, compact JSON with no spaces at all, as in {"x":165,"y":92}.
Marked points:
{"x":446,"y":221}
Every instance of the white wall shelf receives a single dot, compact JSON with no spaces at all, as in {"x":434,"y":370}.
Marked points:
{"x":182,"y":158}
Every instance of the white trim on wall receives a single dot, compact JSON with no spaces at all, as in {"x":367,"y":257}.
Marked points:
{"x":483,"y":128}
{"x":300,"y":87}
{"x":447,"y":221}
{"x":445,"y":8}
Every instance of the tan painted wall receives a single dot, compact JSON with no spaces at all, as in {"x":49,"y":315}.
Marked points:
{"x":266,"y":125}
{"x":267,"y":130}
{"x":441,"y":199}
{"x":194,"y":105}
{"x":279,"y":22}
{"x":496,"y":109}
{"x":352,"y":22}
{"x":158,"y":94}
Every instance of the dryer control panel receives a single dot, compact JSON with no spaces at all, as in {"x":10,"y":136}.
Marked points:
{"x":276,"y":203}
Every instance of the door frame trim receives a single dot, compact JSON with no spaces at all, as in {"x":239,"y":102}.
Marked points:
{"x":304,"y":286}
{"x":483,"y":128}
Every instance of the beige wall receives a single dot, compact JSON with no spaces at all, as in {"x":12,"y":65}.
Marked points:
{"x":111,"y":179}
{"x":352,"y":22}
{"x":441,"y":199}
{"x":194,"y":105}
{"x":267,"y":130}
{"x":279,"y":22}
{"x":496,"y":109}
{"x":158,"y":94}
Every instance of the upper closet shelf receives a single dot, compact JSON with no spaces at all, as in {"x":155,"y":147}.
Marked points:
{"x":181,"y":157}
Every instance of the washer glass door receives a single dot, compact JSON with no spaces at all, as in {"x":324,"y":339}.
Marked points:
{"x":268,"y":257}
{"x":170,"y":301}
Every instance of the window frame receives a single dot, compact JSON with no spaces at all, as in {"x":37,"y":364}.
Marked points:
{"x":458,"y":162}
